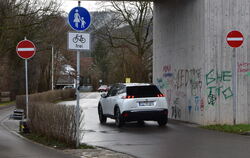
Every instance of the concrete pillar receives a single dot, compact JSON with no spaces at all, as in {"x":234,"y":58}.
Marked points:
{"x":192,"y":61}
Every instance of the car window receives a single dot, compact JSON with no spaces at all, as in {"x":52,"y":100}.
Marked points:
{"x":143,"y":91}
{"x":111,"y":91}
{"x":121,"y":89}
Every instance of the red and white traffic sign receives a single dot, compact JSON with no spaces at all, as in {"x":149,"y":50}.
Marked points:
{"x":25,"y":49}
{"x":235,"y":39}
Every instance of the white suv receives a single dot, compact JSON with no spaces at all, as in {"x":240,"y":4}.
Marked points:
{"x":133,"y":102}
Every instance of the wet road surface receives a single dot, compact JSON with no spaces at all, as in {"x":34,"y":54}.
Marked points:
{"x":177,"y":140}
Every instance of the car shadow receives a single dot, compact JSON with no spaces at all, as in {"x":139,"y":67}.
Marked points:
{"x":134,"y":127}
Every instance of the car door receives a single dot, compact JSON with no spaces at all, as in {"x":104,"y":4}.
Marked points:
{"x":106,"y":101}
{"x":112,"y":100}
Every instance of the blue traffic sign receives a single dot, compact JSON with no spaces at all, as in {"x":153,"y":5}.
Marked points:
{"x":79,"y":19}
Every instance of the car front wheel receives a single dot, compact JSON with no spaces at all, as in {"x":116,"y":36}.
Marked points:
{"x":102,"y":118}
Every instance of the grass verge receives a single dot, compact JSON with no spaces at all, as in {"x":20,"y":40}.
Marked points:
{"x":238,"y":129}
{"x":7,"y":103}
{"x":52,"y":142}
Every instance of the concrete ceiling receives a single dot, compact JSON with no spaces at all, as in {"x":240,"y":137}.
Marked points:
{"x":118,"y":0}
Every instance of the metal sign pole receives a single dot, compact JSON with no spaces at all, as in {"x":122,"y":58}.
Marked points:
{"x":52,"y":67}
{"x":234,"y":84}
{"x":79,"y":19}
{"x":77,"y":98}
{"x":27,"y":93}
{"x":77,"y":93}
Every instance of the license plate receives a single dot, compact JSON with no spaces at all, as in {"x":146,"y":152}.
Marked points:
{"x":146,"y":103}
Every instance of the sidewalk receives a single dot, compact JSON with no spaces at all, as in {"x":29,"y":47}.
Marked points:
{"x":13,"y":126}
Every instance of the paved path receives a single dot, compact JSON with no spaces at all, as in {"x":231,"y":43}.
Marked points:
{"x":177,"y":140}
{"x":12,"y":146}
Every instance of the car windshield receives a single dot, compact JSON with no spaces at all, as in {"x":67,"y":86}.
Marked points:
{"x":143,"y":91}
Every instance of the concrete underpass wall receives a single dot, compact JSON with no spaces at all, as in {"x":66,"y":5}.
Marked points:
{"x":192,"y":61}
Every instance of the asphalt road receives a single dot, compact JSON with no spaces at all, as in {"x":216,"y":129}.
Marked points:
{"x":177,"y":140}
{"x":12,"y":146}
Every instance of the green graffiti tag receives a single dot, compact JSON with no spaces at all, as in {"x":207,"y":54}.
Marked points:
{"x":227,"y":93}
{"x":212,"y":79}
{"x":162,"y":84}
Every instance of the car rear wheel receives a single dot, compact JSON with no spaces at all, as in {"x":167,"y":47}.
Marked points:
{"x":118,"y":119}
{"x":102,"y":118}
{"x":141,"y":123}
{"x":162,"y":122}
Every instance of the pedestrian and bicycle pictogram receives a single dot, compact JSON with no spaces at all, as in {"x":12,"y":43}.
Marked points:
{"x":79,"y":19}
{"x":79,"y":38}
{"x":78,"y":41}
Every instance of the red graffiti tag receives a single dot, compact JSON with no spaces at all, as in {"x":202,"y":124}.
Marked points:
{"x":243,"y":67}
{"x":167,"y":68}
{"x":202,"y":105}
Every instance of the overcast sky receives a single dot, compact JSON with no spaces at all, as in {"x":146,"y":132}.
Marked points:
{"x":69,"y":4}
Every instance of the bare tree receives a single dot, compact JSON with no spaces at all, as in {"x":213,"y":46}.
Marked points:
{"x":36,"y":20}
{"x":127,"y":28}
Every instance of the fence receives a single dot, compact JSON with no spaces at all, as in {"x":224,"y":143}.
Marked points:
{"x":5,"y":97}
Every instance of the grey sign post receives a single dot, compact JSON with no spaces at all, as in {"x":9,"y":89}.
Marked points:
{"x":234,"y":82}
{"x":234,"y":40}
{"x":26,"y":50}
{"x":79,"y":20}
{"x":27,"y":89}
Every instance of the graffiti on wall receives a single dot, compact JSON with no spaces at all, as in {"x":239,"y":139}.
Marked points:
{"x":181,"y":78}
{"x":184,"y":77}
{"x":167,"y":71}
{"x":197,"y":102}
{"x":248,"y":74}
{"x":176,"y":111}
{"x":162,"y":84}
{"x":189,"y":106}
{"x":202,"y":104}
{"x":243,"y":67}
{"x":213,"y":79}
{"x":180,"y":83}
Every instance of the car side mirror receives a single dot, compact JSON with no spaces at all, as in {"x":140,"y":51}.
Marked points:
{"x":103,"y":95}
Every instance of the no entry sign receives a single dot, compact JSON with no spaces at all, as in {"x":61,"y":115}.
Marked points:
{"x":235,"y":39}
{"x":25,"y":49}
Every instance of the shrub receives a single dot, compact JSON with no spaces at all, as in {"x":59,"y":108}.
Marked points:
{"x":50,"y":119}
{"x":48,"y":97}
{"x":54,"y":121}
